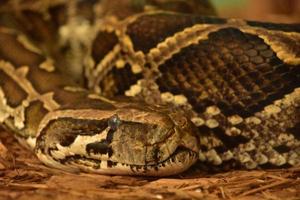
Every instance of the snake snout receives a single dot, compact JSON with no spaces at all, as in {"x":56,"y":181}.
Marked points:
{"x":157,"y":144}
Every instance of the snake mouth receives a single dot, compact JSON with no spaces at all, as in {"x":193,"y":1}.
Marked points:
{"x":176,"y":163}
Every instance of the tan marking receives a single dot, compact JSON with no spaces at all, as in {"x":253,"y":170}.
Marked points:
{"x":249,"y":146}
{"x":134,"y":90}
{"x":250,"y":164}
{"x":136,"y":68}
{"x":48,"y":101}
{"x":126,"y":41}
{"x":198,"y":121}
{"x":260,"y":158}
{"x":78,"y":146}
{"x":120,"y":63}
{"x":228,"y":155}
{"x":213,"y":110}
{"x":203,"y":95}
{"x":74,"y":89}
{"x":277,"y":159}
{"x":18,"y":113}
{"x":294,"y":159}
{"x":99,"y":97}
{"x":135,"y":59}
{"x":4,"y":108}
{"x":28,"y":45}
{"x":180,"y":99}
{"x":285,"y":137}
{"x":272,"y":109}
{"x":31,"y":141}
{"x":253,"y":120}
{"x":105,"y":66}
{"x":212,"y":123}
{"x":233,"y":131}
{"x":47,"y":65}
{"x":213,"y":157}
{"x":210,"y":141}
{"x":167,"y":97}
{"x":173,"y":44}
{"x":244,"y":157}
{"x":201,"y":156}
{"x":235,"y":119}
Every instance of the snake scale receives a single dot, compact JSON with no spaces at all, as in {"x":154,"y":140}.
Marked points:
{"x":217,"y":91}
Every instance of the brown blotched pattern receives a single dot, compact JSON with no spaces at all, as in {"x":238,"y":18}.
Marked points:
{"x":238,"y":81}
{"x":235,"y":71}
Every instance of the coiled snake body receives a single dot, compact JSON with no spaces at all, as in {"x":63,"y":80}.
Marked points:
{"x":216,"y":90}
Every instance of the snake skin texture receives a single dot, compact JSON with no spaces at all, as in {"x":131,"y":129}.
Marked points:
{"x":197,"y":88}
{"x":238,"y":80}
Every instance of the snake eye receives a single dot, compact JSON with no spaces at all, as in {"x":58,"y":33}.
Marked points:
{"x":114,"y":122}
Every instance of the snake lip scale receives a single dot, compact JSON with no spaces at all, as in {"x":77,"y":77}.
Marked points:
{"x":153,"y":92}
{"x":178,"y":162}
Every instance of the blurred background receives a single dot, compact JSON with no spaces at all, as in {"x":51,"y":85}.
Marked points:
{"x":287,"y":11}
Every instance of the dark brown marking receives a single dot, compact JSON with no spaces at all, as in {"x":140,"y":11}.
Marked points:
{"x":122,"y":78}
{"x":295,"y":130}
{"x":156,"y":154}
{"x":12,"y":91}
{"x":149,"y":30}
{"x":101,"y":147}
{"x":44,"y":81}
{"x":110,"y":135}
{"x":33,"y":116}
{"x":14,"y":52}
{"x":103,"y":44}
{"x":276,"y":27}
{"x":237,"y":83}
{"x":38,"y":28}
{"x":58,"y":14}
{"x":67,"y":139}
{"x":110,"y":164}
{"x":282,"y":149}
{"x":80,"y":100}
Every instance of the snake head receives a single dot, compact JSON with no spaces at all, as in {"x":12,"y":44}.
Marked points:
{"x":128,"y":140}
